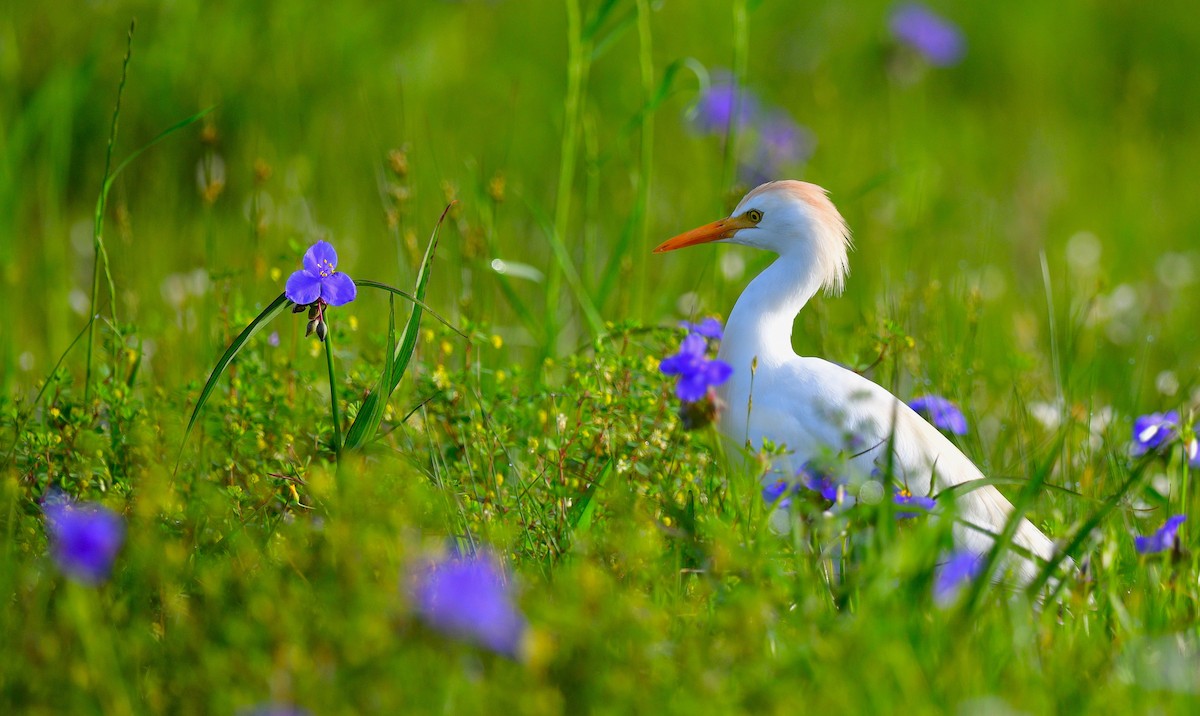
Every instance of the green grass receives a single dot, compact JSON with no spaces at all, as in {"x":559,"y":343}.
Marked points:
{"x":1025,"y":228}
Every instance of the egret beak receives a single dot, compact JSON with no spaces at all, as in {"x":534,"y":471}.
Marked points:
{"x":722,"y":229}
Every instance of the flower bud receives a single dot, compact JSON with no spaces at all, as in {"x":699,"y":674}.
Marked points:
{"x":313,"y":312}
{"x":322,"y":330}
{"x":299,"y":308}
{"x":312,"y":326}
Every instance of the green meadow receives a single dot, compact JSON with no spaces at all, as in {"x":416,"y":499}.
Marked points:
{"x":496,"y":174}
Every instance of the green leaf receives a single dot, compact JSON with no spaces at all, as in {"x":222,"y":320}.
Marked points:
{"x":366,"y":423}
{"x":277,"y":306}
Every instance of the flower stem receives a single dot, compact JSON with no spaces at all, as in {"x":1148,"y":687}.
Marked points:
{"x":333,"y":398}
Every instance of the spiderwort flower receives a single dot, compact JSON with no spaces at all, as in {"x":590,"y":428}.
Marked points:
{"x":718,"y":104}
{"x":933,"y":37}
{"x":467,"y":597}
{"x":1154,"y":431}
{"x":84,"y":538}
{"x":696,"y":371}
{"x":781,"y":145}
{"x":1163,"y":538}
{"x":709,"y":328}
{"x":959,"y":569}
{"x":941,"y":412}
{"x":319,"y":280}
{"x":819,"y":481}
{"x":904,"y":498}
{"x":773,"y":493}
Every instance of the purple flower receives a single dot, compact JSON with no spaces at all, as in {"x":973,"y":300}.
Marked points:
{"x":941,"y":412}
{"x":716,"y":106}
{"x":709,"y":328}
{"x":1153,"y":431}
{"x":84,"y":538}
{"x":273,"y":339}
{"x":1162,"y":540}
{"x":1191,"y":450}
{"x":774,"y":491}
{"x":467,"y":597}
{"x":934,"y":37}
{"x":904,"y":498}
{"x":959,"y":569}
{"x":320,"y":280}
{"x":782,"y":144}
{"x":696,"y":372}
{"x":819,"y":481}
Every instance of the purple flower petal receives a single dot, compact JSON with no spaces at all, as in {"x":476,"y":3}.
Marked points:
{"x":772,"y":492}
{"x":338,"y":289}
{"x":1154,"y":431}
{"x":941,"y":412}
{"x":303,"y":287}
{"x":717,"y":106}
{"x":696,"y":372}
{"x":1191,"y":450}
{"x":959,"y":569}
{"x":84,"y":539}
{"x":709,"y":328}
{"x":1163,"y":539}
{"x":923,"y":504}
{"x":937,"y":39}
{"x":819,"y":481}
{"x":321,"y":259}
{"x":468,"y":598}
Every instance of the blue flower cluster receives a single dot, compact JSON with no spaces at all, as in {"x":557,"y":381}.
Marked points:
{"x":1157,"y":432}
{"x":468,"y":597}
{"x":930,"y":35}
{"x":777,"y":144}
{"x":697,"y":372}
{"x":84,"y":537}
{"x":941,"y":412}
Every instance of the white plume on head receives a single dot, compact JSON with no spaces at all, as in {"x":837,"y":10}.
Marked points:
{"x":800,"y":209}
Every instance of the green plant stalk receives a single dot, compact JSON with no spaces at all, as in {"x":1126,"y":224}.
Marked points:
{"x":99,"y":253}
{"x":741,"y":50}
{"x":334,"y":412}
{"x":642,"y":201}
{"x":578,"y":51}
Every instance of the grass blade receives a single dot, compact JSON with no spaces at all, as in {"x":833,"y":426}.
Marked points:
{"x":277,"y":306}
{"x":366,"y":423}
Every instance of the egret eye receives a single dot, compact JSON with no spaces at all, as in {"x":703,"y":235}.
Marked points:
{"x":754,"y":215}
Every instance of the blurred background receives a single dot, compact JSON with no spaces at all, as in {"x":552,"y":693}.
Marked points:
{"x":1019,"y":177}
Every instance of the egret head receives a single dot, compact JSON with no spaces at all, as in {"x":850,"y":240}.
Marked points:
{"x":786,"y":217}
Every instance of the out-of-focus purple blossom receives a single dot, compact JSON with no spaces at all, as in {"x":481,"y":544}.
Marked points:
{"x":84,"y":538}
{"x":934,"y":37}
{"x":1153,"y":431}
{"x":717,"y":105}
{"x":320,"y":280}
{"x":772,"y":493}
{"x":941,"y":412}
{"x":709,"y":328}
{"x":921,"y":503}
{"x":1163,"y":538}
{"x":959,"y":569}
{"x":819,"y":481}
{"x":781,"y":144}
{"x":696,"y":371}
{"x":273,"y":339}
{"x":1191,"y":450}
{"x":468,"y":597}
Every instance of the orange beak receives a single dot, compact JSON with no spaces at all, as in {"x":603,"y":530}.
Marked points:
{"x":722,"y":229}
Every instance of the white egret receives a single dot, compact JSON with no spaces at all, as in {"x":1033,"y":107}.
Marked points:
{"x":814,"y":407}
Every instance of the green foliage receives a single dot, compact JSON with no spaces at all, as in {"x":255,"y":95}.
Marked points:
{"x":1024,"y":225}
